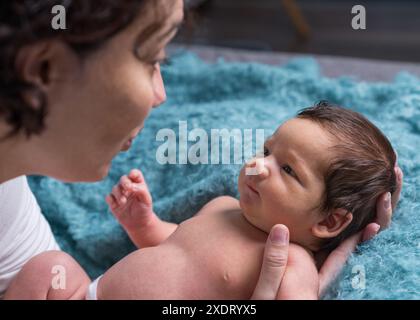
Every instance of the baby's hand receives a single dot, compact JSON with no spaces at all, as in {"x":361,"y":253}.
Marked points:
{"x":130,"y":201}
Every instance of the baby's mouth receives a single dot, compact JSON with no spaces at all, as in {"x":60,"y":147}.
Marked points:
{"x":252,"y":188}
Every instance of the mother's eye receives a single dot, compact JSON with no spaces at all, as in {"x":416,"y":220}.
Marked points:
{"x":161,"y":61}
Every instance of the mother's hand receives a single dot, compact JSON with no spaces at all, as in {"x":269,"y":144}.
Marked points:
{"x":338,"y":257}
{"x":274,"y":264}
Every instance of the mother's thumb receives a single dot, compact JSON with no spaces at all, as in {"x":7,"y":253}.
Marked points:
{"x":274,"y":263}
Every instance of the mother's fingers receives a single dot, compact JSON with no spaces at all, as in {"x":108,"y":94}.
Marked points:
{"x":396,"y":195}
{"x":274,"y":264}
{"x":384,"y":210}
{"x":387,"y":203}
{"x":338,"y":257}
{"x":370,"y":231}
{"x":336,"y":261}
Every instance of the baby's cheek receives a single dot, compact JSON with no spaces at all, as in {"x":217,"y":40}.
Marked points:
{"x":276,"y":206}
{"x":288,"y":206}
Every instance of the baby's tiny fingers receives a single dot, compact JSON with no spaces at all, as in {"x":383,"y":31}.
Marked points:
{"x":108,"y":200}
{"x":125,"y":182}
{"x":117,"y":193}
{"x":136,"y":176}
{"x":111,"y":201}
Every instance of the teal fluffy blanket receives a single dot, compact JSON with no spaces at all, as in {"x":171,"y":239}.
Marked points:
{"x":248,"y":95}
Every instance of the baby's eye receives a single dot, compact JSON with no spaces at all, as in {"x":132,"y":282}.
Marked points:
{"x":266,"y":152}
{"x":288,"y":170}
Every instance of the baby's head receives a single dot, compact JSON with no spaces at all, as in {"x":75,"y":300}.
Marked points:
{"x":321,"y":176}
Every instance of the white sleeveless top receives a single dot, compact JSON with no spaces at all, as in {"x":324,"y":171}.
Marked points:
{"x":24,"y":232}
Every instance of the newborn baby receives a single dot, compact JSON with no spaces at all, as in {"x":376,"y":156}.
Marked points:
{"x":321,"y":175}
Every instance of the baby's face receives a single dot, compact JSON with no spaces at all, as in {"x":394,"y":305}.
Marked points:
{"x":290,"y":183}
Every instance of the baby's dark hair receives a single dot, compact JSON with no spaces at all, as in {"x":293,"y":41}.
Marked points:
{"x":362,"y":166}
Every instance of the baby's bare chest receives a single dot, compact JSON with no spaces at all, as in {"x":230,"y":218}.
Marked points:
{"x":224,"y":249}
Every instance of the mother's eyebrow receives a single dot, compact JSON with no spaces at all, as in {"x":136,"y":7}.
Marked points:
{"x":148,"y":35}
{"x":174,"y":27}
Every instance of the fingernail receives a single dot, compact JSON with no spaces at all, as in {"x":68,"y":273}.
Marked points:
{"x":279,"y":235}
{"x":388,"y":200}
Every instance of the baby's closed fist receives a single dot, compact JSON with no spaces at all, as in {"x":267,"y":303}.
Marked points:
{"x":130,"y":201}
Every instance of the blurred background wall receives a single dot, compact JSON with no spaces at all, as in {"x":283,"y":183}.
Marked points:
{"x":307,"y":26}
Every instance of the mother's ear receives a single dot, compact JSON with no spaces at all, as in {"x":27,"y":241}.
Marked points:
{"x":42,"y":65}
{"x":332,"y":225}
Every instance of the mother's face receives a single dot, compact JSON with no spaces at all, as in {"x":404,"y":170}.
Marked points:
{"x":98,"y":103}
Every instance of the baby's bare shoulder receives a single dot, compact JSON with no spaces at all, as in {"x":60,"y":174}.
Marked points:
{"x":301,"y":279}
{"x":223,"y":203}
{"x":299,"y":255}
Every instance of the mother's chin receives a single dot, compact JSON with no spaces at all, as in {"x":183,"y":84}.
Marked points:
{"x":100,"y":171}
{"x":93,"y":174}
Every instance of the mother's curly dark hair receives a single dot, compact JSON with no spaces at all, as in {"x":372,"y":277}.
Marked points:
{"x":89,"y":23}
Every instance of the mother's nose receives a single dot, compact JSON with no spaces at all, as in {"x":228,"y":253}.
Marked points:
{"x":257,"y":167}
{"x":158,"y":87}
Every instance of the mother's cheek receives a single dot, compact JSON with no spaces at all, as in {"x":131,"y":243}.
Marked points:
{"x":140,"y":94}
{"x":130,"y":109}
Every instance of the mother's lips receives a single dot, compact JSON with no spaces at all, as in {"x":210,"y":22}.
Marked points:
{"x":129,"y":142}
{"x":127,"y":145}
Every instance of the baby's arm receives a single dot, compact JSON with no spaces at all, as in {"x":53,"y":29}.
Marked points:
{"x":131,"y":203}
{"x":300,"y":281}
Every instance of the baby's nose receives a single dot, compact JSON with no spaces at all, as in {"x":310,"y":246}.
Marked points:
{"x":256,"y":167}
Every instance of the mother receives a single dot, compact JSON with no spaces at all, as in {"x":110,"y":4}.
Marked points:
{"x":71,"y":99}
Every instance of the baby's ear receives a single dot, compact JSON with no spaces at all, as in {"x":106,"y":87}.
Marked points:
{"x":332,"y":225}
